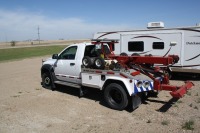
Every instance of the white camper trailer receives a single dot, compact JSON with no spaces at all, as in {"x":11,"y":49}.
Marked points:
{"x":157,"y":40}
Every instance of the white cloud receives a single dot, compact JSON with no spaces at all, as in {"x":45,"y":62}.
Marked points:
{"x":18,"y":25}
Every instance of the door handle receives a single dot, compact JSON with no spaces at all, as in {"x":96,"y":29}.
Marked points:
{"x":72,"y":64}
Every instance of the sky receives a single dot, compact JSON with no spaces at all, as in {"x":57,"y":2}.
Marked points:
{"x":80,"y":19}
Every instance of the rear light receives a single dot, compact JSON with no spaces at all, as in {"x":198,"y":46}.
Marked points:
{"x":146,"y":84}
{"x":139,"y":84}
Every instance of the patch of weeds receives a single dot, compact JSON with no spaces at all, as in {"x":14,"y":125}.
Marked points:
{"x":191,"y":105}
{"x":49,"y":125}
{"x":16,"y":96}
{"x":198,"y":100}
{"x":197,"y":94}
{"x":189,"y":93}
{"x":19,"y":92}
{"x":149,"y":121}
{"x":38,"y":89}
{"x":179,"y":101}
{"x":175,"y":105}
{"x":74,"y":128}
{"x":189,"y":125}
{"x":196,"y":107}
{"x":165,"y":122}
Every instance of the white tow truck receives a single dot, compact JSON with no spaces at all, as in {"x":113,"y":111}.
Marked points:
{"x":123,"y":79}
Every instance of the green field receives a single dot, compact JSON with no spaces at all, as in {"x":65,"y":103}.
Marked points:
{"x":22,"y":53}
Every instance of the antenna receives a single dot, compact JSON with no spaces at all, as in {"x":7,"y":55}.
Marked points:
{"x":39,"y":34}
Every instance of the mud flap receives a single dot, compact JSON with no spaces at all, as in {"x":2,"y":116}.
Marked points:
{"x":136,"y":101}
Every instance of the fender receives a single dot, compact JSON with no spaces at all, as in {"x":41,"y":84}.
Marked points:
{"x":47,"y":67}
{"x":129,"y":84}
{"x":125,"y":82}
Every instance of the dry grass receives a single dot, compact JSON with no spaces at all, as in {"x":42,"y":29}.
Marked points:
{"x":36,"y":43}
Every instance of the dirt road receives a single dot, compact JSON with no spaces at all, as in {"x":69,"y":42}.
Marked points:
{"x":27,"y":107}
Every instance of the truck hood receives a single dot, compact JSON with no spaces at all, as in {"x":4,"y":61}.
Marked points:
{"x":49,"y":61}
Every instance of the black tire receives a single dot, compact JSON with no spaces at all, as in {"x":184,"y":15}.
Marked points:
{"x":135,"y":54}
{"x":123,"y":54}
{"x":170,"y":74}
{"x":99,"y":63}
{"x":117,"y":66}
{"x":87,"y":62}
{"x":115,"y":96}
{"x":147,"y":64}
{"x":47,"y":81}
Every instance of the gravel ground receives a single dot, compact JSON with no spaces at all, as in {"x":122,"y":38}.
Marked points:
{"x":27,"y":107}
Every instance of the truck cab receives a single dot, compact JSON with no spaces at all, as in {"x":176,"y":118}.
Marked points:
{"x":67,"y":64}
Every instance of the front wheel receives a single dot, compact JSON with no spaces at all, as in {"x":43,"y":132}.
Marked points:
{"x":115,"y":96}
{"x":46,"y":80}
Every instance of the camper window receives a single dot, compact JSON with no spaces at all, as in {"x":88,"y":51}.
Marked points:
{"x":136,"y":46}
{"x":158,"y":45}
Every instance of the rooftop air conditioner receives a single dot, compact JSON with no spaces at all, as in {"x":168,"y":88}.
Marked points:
{"x":198,"y":24}
{"x":155,"y":25}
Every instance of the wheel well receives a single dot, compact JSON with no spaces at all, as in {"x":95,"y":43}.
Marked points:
{"x":44,"y":71}
{"x":46,"y":68}
{"x":109,"y":81}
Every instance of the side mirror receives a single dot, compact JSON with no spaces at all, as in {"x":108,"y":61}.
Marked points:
{"x":55,"y":56}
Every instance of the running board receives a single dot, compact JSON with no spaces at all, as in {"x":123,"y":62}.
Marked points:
{"x":67,"y":84}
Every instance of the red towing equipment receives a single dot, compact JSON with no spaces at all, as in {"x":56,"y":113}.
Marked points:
{"x":145,"y":65}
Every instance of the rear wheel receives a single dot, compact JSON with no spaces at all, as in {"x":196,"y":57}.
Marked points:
{"x":115,"y":96}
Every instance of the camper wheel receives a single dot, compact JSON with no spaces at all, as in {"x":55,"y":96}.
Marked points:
{"x":135,"y":54}
{"x":147,"y":64}
{"x":168,"y":72}
{"x":123,"y":54}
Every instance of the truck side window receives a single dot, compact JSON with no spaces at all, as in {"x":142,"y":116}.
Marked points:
{"x":69,"y":53}
{"x":136,"y":46}
{"x":90,"y":51}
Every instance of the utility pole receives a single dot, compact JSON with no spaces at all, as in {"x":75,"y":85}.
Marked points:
{"x":6,"y":37}
{"x":39,"y":34}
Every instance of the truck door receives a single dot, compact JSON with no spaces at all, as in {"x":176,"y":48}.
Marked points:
{"x":65,"y":67}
